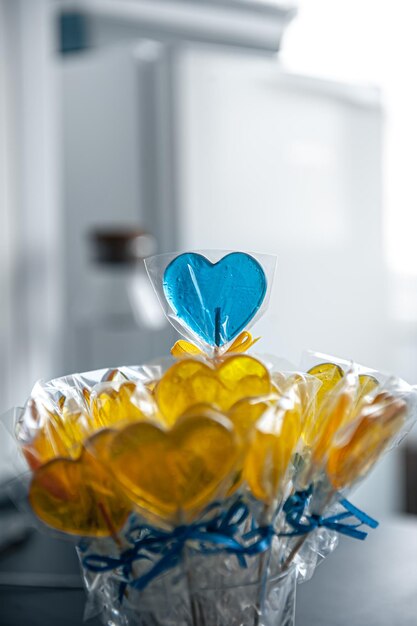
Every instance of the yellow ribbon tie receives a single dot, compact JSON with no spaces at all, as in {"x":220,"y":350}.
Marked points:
{"x":241,"y":344}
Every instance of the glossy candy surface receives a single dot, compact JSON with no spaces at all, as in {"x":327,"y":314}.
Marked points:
{"x":362,"y":444}
{"x":241,"y":344}
{"x":78,"y":497}
{"x":271,"y":450}
{"x":215,"y":300}
{"x":60,"y":432}
{"x":191,"y":382}
{"x":112,"y":405}
{"x":329,"y":376}
{"x":173,"y":473}
{"x":337,"y":402}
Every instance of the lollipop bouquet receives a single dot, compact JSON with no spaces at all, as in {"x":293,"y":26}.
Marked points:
{"x":201,"y":488}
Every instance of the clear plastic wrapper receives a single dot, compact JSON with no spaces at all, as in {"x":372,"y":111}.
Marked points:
{"x":201,"y":589}
{"x":201,"y":489}
{"x":211,"y":296}
{"x":263,"y":590}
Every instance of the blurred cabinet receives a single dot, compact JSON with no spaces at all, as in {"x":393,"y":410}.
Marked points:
{"x":114,"y":155}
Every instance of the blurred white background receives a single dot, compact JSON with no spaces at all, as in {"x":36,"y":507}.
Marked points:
{"x":185,"y":119}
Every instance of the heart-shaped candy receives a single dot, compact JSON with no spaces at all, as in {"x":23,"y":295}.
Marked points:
{"x":215,"y":300}
{"x":78,"y":496}
{"x":191,"y":382}
{"x":60,"y":432}
{"x":174,"y":473}
{"x":270,"y":453}
{"x":112,"y":405}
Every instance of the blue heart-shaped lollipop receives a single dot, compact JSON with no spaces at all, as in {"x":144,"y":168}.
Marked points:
{"x":215,"y":300}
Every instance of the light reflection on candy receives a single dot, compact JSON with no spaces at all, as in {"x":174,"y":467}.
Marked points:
{"x":112,"y":405}
{"x":364,"y":441}
{"x":337,"y":402}
{"x":214,"y":301}
{"x":241,"y":344}
{"x":336,"y":406}
{"x":245,"y":414}
{"x":190,"y":382}
{"x":175,"y":472}
{"x":367,"y":385}
{"x":329,"y":376}
{"x":272,"y":448}
{"x":335,"y":412}
{"x":61,"y":431}
{"x":78,"y":497}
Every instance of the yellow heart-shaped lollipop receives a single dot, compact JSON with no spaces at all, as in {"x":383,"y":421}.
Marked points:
{"x":245,"y":414}
{"x":367,"y":385}
{"x":60,"y":431}
{"x":112,"y":404}
{"x":338,"y":402}
{"x":330,"y":375}
{"x":271,"y":450}
{"x":78,"y":496}
{"x":363,"y":441}
{"x":191,"y":382}
{"x":176,"y":472}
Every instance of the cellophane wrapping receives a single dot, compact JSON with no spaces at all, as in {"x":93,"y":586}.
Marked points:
{"x":200,"y":489}
{"x":198,"y":324}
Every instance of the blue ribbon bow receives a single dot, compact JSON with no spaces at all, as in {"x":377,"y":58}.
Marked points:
{"x":219,"y":532}
{"x":303,"y":523}
{"x":222,"y":533}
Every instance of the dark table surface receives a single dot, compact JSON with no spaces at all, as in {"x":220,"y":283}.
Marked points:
{"x":371,"y":583}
